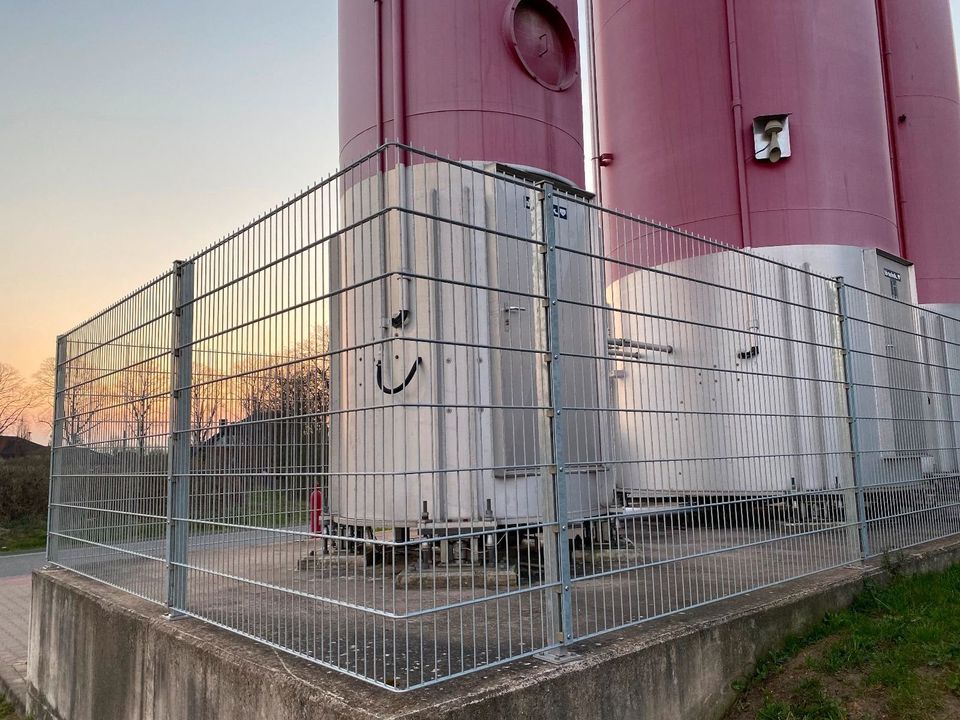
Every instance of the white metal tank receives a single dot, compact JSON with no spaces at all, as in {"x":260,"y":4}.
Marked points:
{"x":712,"y":401}
{"x":440,"y":385}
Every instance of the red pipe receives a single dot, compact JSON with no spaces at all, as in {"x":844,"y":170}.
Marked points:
{"x":891,"y":127}
{"x":316,"y":511}
{"x":745,"y":230}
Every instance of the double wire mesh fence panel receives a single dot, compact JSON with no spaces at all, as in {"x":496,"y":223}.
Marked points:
{"x":905,"y":379}
{"x":108,"y":475}
{"x":428,"y":417}
{"x":718,"y":414}
{"x":353,"y":463}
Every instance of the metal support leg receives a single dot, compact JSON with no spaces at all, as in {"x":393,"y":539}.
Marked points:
{"x":56,"y":445}
{"x":848,"y":383}
{"x":557,"y":542}
{"x":178,"y":477}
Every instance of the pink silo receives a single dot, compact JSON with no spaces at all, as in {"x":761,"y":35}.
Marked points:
{"x":482,"y":81}
{"x":679,"y":84}
{"x":925,"y":118}
{"x":477,"y":80}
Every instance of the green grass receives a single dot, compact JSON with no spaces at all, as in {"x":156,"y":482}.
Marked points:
{"x":23,"y":534}
{"x":808,"y":701}
{"x":276,"y":508}
{"x":897,"y":645}
{"x":6,"y":710}
{"x":774,"y":661}
{"x":23,"y":501}
{"x":904,"y":639}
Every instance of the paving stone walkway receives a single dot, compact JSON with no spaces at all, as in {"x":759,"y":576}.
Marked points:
{"x":14,"y":633}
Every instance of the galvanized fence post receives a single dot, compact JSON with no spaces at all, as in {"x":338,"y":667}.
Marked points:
{"x":560,"y":539}
{"x":851,"y":396}
{"x":178,"y":476}
{"x":56,"y":444}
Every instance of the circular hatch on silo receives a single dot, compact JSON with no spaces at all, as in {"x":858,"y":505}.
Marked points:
{"x":543,"y":42}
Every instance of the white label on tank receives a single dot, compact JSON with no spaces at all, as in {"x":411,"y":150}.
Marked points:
{"x":892,"y":274}
{"x":559,"y":211}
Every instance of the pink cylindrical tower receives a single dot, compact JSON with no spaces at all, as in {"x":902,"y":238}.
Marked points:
{"x":818,"y":61}
{"x":925,"y":116}
{"x":477,"y":80}
{"x":688,"y":91}
{"x":664,"y":97}
{"x":435,"y":300}
{"x":680,"y":83}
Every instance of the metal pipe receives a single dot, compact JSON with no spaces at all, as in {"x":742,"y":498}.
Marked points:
{"x":400,"y":134}
{"x":743,"y":199}
{"x":378,"y":52}
{"x":737,"y":105}
{"x":891,"y":120}
{"x":627,"y":354}
{"x":440,"y":504}
{"x":613,"y":343}
{"x":591,"y":51}
{"x":381,"y":156}
{"x":399,"y":76}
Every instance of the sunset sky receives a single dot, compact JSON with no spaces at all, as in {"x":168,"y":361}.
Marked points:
{"x":133,"y":134}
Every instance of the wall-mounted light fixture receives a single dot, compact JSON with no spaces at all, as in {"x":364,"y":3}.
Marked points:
{"x":771,"y":137}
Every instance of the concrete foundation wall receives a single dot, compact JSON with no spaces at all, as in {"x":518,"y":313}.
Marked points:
{"x":96,"y":653}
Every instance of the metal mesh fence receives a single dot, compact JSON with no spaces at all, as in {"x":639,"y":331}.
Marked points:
{"x":723,"y":416}
{"x":108,"y":489}
{"x":904,"y":366}
{"x":428,"y":417}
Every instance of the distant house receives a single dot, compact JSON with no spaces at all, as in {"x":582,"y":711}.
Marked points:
{"x":16,"y":447}
{"x":263,"y":451}
{"x":266,"y":441}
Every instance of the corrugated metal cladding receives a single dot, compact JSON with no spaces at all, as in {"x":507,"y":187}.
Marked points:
{"x":871,"y":90}
{"x":476,"y":80}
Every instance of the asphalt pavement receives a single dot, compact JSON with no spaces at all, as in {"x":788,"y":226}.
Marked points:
{"x":13,"y":564}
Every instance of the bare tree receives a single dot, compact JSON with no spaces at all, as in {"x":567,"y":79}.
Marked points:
{"x":294,"y":383}
{"x":206,"y":404}
{"x":286,"y":400}
{"x":82,"y":400}
{"x":45,"y":380}
{"x":17,"y":396}
{"x":254,"y":380}
{"x":140,"y":390}
{"x":81,"y":408}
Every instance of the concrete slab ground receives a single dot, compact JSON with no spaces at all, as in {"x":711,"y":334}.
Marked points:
{"x":97,"y":652}
{"x":402,"y":625}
